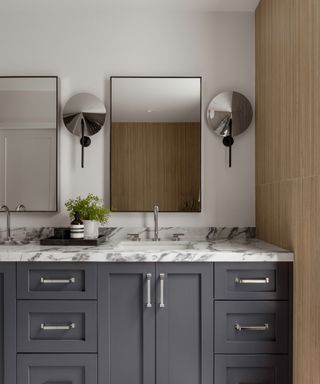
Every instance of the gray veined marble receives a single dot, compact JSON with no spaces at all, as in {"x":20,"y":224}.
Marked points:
{"x":24,"y":235}
{"x":198,"y":245}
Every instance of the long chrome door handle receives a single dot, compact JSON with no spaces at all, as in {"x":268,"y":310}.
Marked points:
{"x":257,"y":328}
{"x":264,"y":280}
{"x":162,"y":276}
{"x":149,"y":280}
{"x":52,"y":327}
{"x":71,"y":280}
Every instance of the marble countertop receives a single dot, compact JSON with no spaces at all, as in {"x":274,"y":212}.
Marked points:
{"x":221,"y":250}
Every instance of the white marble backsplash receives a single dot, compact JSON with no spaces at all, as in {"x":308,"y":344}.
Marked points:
{"x":27,"y":235}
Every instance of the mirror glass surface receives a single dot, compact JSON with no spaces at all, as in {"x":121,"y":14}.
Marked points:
{"x":156,"y":144}
{"x":28,"y":142}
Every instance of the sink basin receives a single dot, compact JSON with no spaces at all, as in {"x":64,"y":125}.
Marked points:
{"x":152,"y":245}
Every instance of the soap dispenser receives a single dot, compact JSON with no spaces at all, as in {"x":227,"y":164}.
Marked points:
{"x":77,"y":227}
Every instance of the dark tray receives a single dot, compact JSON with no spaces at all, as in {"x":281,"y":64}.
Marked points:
{"x":84,"y":242}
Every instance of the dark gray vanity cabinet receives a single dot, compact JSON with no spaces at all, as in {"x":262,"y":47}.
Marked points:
{"x":126,"y":343}
{"x":252,"y":323}
{"x":251,"y":369}
{"x":57,"y":369}
{"x":184,"y":323}
{"x":57,"y":323}
{"x":146,"y":323}
{"x":7,"y":323}
{"x":155,"y":323}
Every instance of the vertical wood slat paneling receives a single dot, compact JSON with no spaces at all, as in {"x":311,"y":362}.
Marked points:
{"x":288,"y":158}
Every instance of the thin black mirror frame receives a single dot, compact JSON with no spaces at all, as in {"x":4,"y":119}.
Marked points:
{"x":56,"y":78}
{"x":111,"y":123}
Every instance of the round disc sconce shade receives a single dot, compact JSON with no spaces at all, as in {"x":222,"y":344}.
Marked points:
{"x":87,"y":108}
{"x":84,"y":115}
{"x":227,"y":106}
{"x":229,"y":114}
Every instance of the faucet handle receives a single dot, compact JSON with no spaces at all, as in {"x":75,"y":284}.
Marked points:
{"x":20,"y":207}
{"x":134,"y":236}
{"x":176,"y":236}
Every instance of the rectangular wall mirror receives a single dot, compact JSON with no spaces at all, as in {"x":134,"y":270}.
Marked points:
{"x":28,"y":143}
{"x":155,"y":144}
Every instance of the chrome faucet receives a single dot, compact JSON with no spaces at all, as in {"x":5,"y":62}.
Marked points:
{"x":4,"y":208}
{"x":20,"y":207}
{"x":156,"y":223}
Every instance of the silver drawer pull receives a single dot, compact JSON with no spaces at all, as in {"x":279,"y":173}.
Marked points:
{"x":239,"y":280}
{"x":162,"y":290}
{"x":51,"y":327}
{"x":149,"y":278}
{"x":258,"y":328}
{"x":71,"y":280}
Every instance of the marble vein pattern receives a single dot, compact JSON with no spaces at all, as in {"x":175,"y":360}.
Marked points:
{"x":200,"y":245}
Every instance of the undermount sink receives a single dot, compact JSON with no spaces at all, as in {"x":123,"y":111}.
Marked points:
{"x":152,"y":245}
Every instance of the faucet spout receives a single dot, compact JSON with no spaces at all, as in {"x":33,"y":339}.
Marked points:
{"x":21,"y":207}
{"x":4,"y":208}
{"x":156,"y":223}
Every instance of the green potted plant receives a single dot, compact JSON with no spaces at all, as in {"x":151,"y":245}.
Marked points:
{"x":92,"y":212}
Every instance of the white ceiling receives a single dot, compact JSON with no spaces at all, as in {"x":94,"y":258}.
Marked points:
{"x":179,"y":5}
{"x":156,"y":100}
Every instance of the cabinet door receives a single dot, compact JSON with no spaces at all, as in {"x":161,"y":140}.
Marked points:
{"x":184,"y":323}
{"x":126,"y":323}
{"x":7,"y":323}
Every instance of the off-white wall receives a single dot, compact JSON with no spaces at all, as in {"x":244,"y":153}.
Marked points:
{"x":84,"y":47}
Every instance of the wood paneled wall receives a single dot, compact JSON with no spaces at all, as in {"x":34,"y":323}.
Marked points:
{"x":155,"y":164}
{"x":288,"y":158}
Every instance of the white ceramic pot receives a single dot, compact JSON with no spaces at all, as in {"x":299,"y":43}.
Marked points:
{"x":91,"y":229}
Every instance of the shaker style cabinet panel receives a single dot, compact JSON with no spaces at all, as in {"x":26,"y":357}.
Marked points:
{"x":7,"y":323}
{"x":184,"y":323}
{"x":155,"y":323}
{"x":251,"y":369}
{"x":251,"y":281}
{"x":57,"y":369}
{"x":57,"y":326}
{"x":126,"y":343}
{"x":251,"y":327}
{"x":64,"y":281}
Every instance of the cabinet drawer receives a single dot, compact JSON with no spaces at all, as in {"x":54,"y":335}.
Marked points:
{"x":57,"y":281}
{"x":251,"y":327}
{"x":251,"y":369}
{"x":251,"y":281}
{"x":57,"y":369}
{"x":57,"y":326}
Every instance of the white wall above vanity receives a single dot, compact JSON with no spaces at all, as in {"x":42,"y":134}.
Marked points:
{"x":144,"y":43}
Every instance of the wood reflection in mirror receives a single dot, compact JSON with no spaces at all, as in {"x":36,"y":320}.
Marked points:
{"x":156,"y":164}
